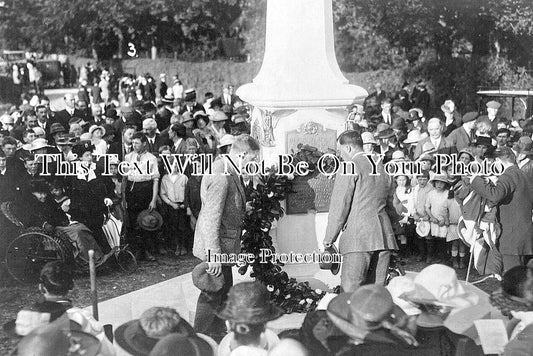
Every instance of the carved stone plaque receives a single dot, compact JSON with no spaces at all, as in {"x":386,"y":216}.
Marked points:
{"x":314,"y":191}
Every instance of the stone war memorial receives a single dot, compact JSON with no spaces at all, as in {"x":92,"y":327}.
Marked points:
{"x":300,"y":96}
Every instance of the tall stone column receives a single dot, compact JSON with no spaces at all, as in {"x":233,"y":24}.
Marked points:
{"x":300,"y":96}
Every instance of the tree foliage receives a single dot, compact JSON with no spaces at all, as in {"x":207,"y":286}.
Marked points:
{"x":185,"y":26}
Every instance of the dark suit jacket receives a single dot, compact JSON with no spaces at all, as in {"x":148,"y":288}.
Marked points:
{"x":444,"y":147}
{"x":459,"y":138}
{"x":195,"y":108}
{"x":158,"y":142}
{"x":514,"y":195}
{"x":182,"y":147}
{"x":63,"y":117}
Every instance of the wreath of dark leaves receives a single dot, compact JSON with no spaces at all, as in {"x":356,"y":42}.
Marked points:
{"x":266,"y":198}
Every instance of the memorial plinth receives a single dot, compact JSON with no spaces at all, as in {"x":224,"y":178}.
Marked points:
{"x":300,"y":96}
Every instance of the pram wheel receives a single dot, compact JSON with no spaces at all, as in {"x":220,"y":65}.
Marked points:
{"x":30,"y":251}
{"x":126,"y":260}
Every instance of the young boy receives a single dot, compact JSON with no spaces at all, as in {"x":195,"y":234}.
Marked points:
{"x":172,"y":193}
{"x":421,"y":191}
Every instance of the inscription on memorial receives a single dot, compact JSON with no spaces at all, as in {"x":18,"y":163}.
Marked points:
{"x":313,"y":191}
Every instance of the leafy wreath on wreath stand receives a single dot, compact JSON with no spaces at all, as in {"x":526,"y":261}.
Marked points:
{"x":266,"y":197}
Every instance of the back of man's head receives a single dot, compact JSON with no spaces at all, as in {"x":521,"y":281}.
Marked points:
{"x":245,"y":143}
{"x":352,"y":138}
{"x":505,"y":154}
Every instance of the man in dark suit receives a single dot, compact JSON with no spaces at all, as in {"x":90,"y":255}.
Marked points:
{"x":154,"y":139}
{"x":513,"y":193}
{"x":178,"y":136}
{"x":219,"y":230}
{"x":70,"y":111}
{"x":368,"y":238}
{"x":190,"y":104}
{"x":464,"y":135}
{"x":124,"y":146}
{"x":43,"y":120}
{"x":439,"y":142}
{"x":227,"y":99}
{"x":422,"y":99}
{"x":8,"y":191}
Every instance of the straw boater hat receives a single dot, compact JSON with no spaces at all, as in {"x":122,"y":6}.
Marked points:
{"x":515,"y":292}
{"x":437,"y":297}
{"x":333,"y":267}
{"x":368,"y":138}
{"x":168,"y":99}
{"x":249,"y":303}
{"x":366,"y":310}
{"x":96,"y":127}
{"x":149,"y":220}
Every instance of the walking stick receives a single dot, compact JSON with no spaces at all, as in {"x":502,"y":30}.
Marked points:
{"x":94,"y":293}
{"x":470,"y":260}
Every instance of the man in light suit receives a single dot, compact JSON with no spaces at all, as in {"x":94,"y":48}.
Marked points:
{"x":513,"y":192}
{"x":439,"y":142}
{"x":368,"y":238}
{"x":218,"y":229}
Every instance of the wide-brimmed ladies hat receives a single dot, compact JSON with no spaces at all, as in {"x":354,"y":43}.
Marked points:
{"x":439,"y":178}
{"x":219,"y":116}
{"x":437,"y":297}
{"x":387,"y":133}
{"x":51,"y":340}
{"x":187,"y":116}
{"x":175,"y":344}
{"x":368,"y":309}
{"x":415,"y":136}
{"x":149,"y":220}
{"x":514,"y":293}
{"x":226,"y":140}
{"x":368,"y":138}
{"x":37,"y":144}
{"x":330,"y":254}
{"x":81,"y":147}
{"x":415,"y":114}
{"x":132,"y":338}
{"x":467,"y":151}
{"x":249,"y":303}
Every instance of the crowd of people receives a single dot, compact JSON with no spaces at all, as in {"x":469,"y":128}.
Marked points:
{"x":420,"y":316}
{"x":429,"y":215}
{"x":161,"y":208}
